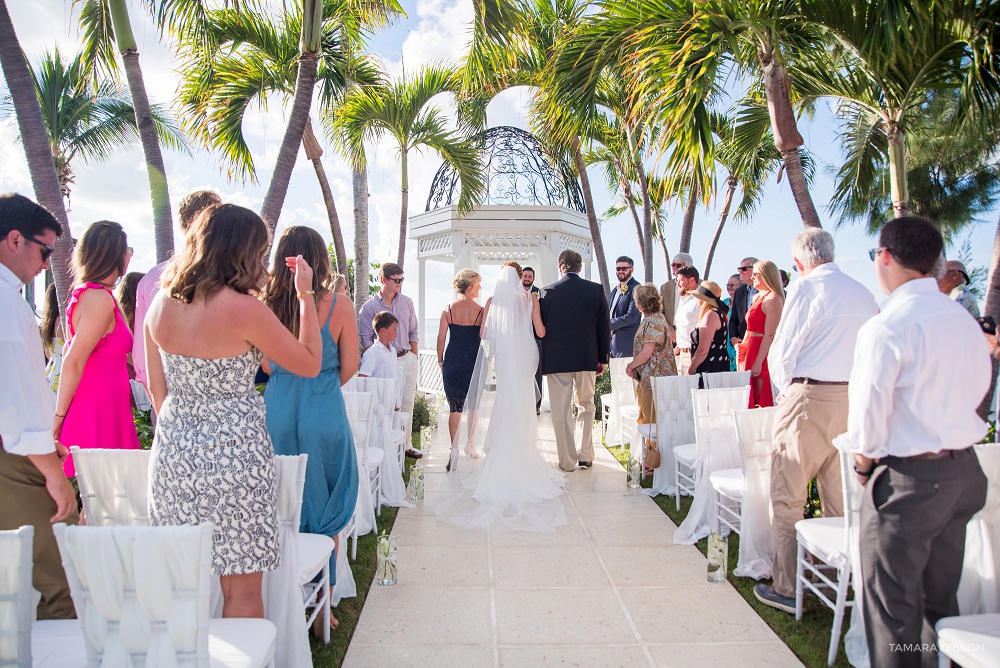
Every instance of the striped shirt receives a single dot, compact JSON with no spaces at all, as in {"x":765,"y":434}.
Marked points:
{"x":402,"y":308}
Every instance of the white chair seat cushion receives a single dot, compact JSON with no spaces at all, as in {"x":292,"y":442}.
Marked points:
{"x":240,"y":643}
{"x":647,"y":430}
{"x":979,"y":635}
{"x":728,"y":482}
{"x":821,"y":536}
{"x":686,"y":454}
{"x":374,"y":457}
{"x":398,"y":436}
{"x":628,"y":412}
{"x":58,"y":643}
{"x":314,"y":553}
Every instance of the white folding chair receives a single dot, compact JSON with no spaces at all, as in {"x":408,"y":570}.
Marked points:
{"x":969,"y":640}
{"x":360,"y":415}
{"x":114,"y":485}
{"x":753,"y":430}
{"x":621,"y":408}
{"x":142,"y":596}
{"x":392,"y":491}
{"x":723,"y":379}
{"x":826,"y":539}
{"x":140,"y":396}
{"x":24,"y":643}
{"x":674,"y":427}
{"x":715,"y":441}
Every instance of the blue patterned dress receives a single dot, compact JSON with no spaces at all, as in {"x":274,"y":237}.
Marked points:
{"x":307,"y":415}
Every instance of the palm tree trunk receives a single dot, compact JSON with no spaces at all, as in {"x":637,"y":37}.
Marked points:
{"x":897,"y":171}
{"x":992,"y":306}
{"x":786,"y":133}
{"x":163,"y":224}
{"x":666,"y":257}
{"x":359,"y":180}
{"x":404,"y":203}
{"x":647,"y":222}
{"x":595,"y":230}
{"x":687,"y":227}
{"x":627,"y":190}
{"x":305,"y":81}
{"x":726,"y":203}
{"x":314,"y":152}
{"x":34,"y":138}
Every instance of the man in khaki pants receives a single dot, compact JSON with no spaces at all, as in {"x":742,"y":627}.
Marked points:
{"x":810,"y":362}
{"x":575,"y":351}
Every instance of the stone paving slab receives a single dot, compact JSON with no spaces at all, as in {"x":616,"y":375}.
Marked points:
{"x":608,"y":589}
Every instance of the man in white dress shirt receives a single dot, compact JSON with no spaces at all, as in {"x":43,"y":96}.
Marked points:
{"x":810,"y":362}
{"x":920,"y":369}
{"x":33,"y":486}
{"x":686,"y":317}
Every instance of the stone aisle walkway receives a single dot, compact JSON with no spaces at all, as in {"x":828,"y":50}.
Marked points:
{"x":609,"y":589}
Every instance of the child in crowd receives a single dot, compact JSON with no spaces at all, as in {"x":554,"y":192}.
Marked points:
{"x":379,"y":360}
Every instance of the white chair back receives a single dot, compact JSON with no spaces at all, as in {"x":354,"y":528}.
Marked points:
{"x":281,"y":590}
{"x":753,"y":429}
{"x":622,"y":394}
{"x":113,"y":485}
{"x":16,"y":596}
{"x":715,"y":428}
{"x":141,"y":593}
{"x":674,"y":425}
{"x":360,"y":415}
{"x":384,"y":390}
{"x":725,"y":379}
{"x":140,"y":396}
{"x":853,"y":492}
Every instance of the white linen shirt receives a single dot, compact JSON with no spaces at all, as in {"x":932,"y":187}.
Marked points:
{"x":823,"y":312}
{"x":378,"y":362}
{"x":26,"y":402}
{"x":920,"y":370}
{"x":686,"y":318}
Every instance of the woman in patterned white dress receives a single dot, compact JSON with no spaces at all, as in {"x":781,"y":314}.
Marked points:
{"x":206,"y":332}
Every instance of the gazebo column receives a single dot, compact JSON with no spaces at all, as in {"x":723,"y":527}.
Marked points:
{"x":422,"y":296}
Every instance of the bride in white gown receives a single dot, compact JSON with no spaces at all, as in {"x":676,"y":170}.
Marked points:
{"x":513,"y":486}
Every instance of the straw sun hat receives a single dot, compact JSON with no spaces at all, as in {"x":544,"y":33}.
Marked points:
{"x":710,"y":292}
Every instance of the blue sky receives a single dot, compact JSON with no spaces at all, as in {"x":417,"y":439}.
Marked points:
{"x":434,"y":30}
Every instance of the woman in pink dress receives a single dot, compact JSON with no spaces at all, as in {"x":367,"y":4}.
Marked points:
{"x":762,"y":323}
{"x":93,"y":408}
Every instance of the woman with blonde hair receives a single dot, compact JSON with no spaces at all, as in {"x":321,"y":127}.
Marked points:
{"x":762,"y":322}
{"x":338,"y":284}
{"x":709,"y":351}
{"x":206,"y":335}
{"x":94,"y":400}
{"x":653,"y":355}
{"x":460,"y":325}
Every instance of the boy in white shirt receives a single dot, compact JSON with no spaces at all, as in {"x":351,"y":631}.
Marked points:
{"x":379,"y":361}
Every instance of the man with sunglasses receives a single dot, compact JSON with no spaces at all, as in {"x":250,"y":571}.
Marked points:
{"x":391,"y":299}
{"x":33,"y":486}
{"x":670,"y":294}
{"x":741,"y":302}
{"x":625,"y":314}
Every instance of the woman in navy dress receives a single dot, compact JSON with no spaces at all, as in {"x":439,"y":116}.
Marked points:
{"x":461,"y":321}
{"x":307,"y":415}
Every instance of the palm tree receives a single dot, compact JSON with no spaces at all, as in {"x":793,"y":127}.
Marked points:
{"x":400,"y":110}
{"x":675,"y":56}
{"x":877,"y":90}
{"x":34,"y":138}
{"x":89,"y":121}
{"x":105,"y":23}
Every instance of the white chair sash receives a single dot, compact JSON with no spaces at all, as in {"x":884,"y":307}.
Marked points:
{"x":674,"y":426}
{"x":754,"y":428}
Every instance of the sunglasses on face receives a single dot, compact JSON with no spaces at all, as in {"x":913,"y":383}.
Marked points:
{"x":622,"y":268}
{"x":676,"y":265}
{"x":46,"y":249}
{"x":874,"y":253}
{"x":397,"y":281}
{"x":742,"y":269}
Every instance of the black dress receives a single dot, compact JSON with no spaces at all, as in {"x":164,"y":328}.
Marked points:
{"x":460,"y":361}
{"x":718,"y":351}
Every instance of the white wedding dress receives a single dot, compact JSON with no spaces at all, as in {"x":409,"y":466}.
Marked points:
{"x":513,"y":486}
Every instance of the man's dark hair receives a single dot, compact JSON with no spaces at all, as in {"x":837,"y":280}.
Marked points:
{"x":625,"y":258}
{"x":383,"y":320}
{"x":524,"y":269}
{"x":688,"y":272}
{"x":390,"y":269}
{"x":570,"y":261}
{"x":915,"y":242}
{"x":17,"y":212}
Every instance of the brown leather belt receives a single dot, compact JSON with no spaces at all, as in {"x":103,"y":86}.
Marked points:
{"x":400,"y":353}
{"x":812,"y":381}
{"x":684,"y":350}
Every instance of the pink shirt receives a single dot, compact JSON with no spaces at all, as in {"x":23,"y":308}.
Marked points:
{"x":144,"y":293}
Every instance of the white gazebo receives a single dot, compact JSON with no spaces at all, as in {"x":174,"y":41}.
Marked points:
{"x":531,"y":211}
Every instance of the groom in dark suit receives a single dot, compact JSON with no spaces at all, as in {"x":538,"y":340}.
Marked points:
{"x":574,"y":352}
{"x":625,"y":314}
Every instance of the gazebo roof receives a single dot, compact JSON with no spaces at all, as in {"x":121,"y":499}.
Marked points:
{"x":519,"y":171}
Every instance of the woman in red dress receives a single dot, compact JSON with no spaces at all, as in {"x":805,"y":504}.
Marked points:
{"x":762,"y":322}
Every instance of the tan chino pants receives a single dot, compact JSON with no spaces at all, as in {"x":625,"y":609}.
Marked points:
{"x":809,"y":417}
{"x":561,"y":393}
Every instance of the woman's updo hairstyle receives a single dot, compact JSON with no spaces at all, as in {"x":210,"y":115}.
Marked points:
{"x":464,"y":280}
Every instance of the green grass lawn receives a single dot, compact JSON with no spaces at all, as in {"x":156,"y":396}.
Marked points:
{"x":809,"y":638}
